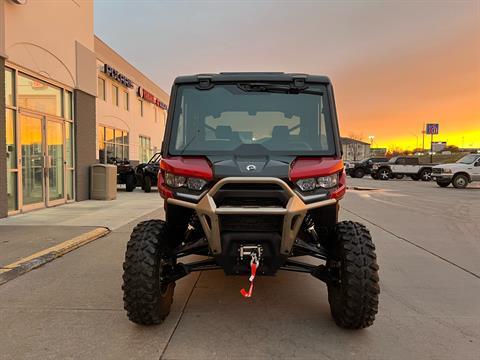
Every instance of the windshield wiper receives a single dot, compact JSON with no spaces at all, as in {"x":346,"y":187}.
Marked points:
{"x":275,"y":88}
{"x":189,"y":142}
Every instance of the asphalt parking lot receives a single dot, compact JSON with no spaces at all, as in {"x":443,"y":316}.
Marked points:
{"x":428,"y":246}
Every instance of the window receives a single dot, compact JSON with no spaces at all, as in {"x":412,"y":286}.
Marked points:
{"x":69,"y":164}
{"x":11,"y":160}
{"x":37,"y":95}
{"x":101,"y":88}
{"x":126,"y":99}
{"x":112,"y":145}
{"x":145,"y":150}
{"x":140,"y":107}
{"x":68,"y":105}
{"x":9,"y":88}
{"x":227,"y":117}
{"x":115,"y":95}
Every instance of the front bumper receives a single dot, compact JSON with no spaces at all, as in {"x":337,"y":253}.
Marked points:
{"x":293,"y":212}
{"x":442,"y":177}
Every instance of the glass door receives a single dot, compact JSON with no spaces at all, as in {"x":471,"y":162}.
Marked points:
{"x":55,"y":165}
{"x":33,"y":161}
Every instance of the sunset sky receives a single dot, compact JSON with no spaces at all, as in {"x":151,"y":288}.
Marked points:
{"x":395,"y":65}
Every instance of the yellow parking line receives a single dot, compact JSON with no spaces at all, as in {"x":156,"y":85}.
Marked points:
{"x":42,"y":257}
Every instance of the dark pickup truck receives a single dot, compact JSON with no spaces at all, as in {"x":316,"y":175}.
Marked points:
{"x":399,"y":166}
{"x":358,"y":169}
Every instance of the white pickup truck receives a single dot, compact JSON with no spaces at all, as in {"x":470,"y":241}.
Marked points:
{"x":400,"y":166}
{"x":459,"y":174}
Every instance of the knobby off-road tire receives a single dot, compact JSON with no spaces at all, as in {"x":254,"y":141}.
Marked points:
{"x":130,"y":182}
{"x":146,"y":298}
{"x":147,"y":184}
{"x":354,"y":298}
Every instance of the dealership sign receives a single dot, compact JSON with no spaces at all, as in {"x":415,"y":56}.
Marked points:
{"x":144,"y":94}
{"x":114,"y":74}
{"x":432,"y":129}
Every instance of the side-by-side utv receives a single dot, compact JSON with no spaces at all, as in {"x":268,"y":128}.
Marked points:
{"x":251,"y":176}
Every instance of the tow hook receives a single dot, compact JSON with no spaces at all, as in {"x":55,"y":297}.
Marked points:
{"x":255,"y":254}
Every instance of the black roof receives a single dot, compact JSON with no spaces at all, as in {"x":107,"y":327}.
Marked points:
{"x":252,"y":76}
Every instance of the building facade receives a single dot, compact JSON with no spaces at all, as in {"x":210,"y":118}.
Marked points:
{"x":131,"y":110}
{"x":51,"y":120}
{"x":354,"y":150}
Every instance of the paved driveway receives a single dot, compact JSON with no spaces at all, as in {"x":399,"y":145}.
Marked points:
{"x":429,"y":307}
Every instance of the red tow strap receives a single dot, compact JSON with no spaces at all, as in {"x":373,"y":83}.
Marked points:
{"x":254,"y":263}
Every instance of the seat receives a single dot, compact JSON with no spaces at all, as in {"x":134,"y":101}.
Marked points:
{"x":280,"y":137}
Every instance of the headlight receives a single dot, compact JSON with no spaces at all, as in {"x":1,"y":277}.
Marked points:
{"x":328,"y":182}
{"x":447,"y":171}
{"x":174,"y":181}
{"x":196,"y":183}
{"x":177,"y":181}
{"x":308,"y":184}
{"x":325,"y":182}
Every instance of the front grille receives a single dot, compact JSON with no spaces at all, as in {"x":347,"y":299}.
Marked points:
{"x":437,"y":171}
{"x":251,"y":195}
{"x":251,"y":223}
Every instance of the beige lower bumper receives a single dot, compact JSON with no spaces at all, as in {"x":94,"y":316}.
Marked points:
{"x":293,"y":213}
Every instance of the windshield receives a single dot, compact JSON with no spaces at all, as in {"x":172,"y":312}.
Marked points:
{"x":468,"y":159}
{"x":393,"y":159}
{"x":231,"y":118}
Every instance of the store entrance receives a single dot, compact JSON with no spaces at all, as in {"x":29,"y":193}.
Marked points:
{"x":42,"y":161}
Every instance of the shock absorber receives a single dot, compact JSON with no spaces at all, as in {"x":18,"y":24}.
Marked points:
{"x":194,"y":228}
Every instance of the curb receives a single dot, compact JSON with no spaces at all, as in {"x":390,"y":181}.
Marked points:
{"x":361,"y":188}
{"x":22,"y":266}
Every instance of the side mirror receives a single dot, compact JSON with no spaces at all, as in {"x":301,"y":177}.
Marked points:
{"x":369,"y":162}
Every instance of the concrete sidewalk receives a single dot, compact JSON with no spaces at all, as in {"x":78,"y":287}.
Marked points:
{"x":30,"y":240}
{"x":111,"y":214}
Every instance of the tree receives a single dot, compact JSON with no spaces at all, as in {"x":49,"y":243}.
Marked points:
{"x":451,"y":148}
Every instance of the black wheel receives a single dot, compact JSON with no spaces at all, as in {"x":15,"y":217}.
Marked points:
{"x":374,"y":176}
{"x":384,"y":174}
{"x":130,"y":182}
{"x":359,"y":173}
{"x":415,"y":177}
{"x":354,"y":297}
{"x":147,"y":184}
{"x":460,"y":181}
{"x":399,"y":176}
{"x":147,"y":297}
{"x":443,"y":183}
{"x":426,"y":175}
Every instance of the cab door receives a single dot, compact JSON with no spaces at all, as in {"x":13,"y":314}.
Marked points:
{"x":475,"y":171}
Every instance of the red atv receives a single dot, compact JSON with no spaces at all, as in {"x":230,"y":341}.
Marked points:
{"x":251,"y":176}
